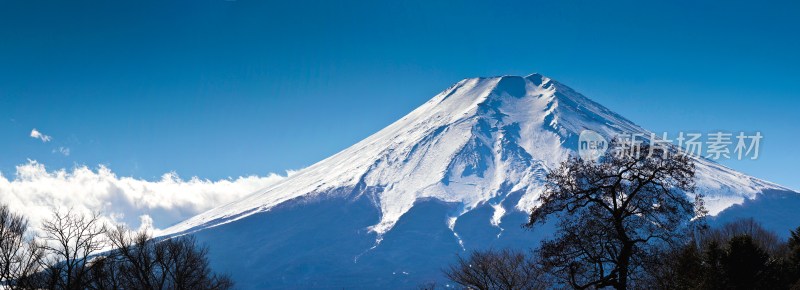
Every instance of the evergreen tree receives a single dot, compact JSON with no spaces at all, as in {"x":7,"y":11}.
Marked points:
{"x":793,"y":260}
{"x":714,"y":275}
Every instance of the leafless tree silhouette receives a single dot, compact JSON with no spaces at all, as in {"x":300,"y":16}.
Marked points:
{"x":77,"y":251}
{"x":141,"y":262}
{"x":491,"y":269}
{"x":71,"y":241}
{"x":612,"y":213}
{"x":19,"y":255}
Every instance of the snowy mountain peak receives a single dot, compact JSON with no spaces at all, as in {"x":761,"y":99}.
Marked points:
{"x":479,"y":142}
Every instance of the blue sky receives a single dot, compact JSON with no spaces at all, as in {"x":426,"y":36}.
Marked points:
{"x":229,"y":88}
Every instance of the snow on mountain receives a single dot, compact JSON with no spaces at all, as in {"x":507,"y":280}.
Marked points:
{"x":481,"y":147}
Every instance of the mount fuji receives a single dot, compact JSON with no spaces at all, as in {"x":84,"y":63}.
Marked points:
{"x":458,"y":173}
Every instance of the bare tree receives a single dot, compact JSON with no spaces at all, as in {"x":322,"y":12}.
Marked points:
{"x":72,"y":242}
{"x":78,"y":251}
{"x":140,"y":262}
{"x":491,"y":269}
{"x":613,"y":213}
{"x":19,"y":255}
{"x":764,"y":238}
{"x":186,"y":265}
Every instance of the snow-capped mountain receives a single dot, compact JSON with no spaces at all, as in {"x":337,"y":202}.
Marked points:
{"x":459,"y":172}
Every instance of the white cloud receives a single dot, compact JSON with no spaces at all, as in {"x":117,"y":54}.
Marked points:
{"x":138,"y":203}
{"x":63,"y":150}
{"x":39,"y":135}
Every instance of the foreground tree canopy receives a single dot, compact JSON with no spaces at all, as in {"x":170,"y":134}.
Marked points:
{"x":612,"y":215}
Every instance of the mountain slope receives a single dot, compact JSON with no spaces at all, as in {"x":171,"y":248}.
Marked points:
{"x":446,"y":177}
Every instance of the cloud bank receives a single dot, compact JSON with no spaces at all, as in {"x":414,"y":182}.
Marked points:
{"x":138,"y":203}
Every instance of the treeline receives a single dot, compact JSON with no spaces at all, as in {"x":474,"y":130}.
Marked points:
{"x":738,"y":255}
{"x":77,"y":251}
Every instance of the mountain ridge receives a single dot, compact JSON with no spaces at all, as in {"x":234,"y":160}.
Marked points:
{"x":459,"y":173}
{"x":517,"y":126}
